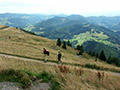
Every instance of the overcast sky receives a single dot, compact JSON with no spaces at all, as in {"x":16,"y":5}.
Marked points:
{"x":82,"y":7}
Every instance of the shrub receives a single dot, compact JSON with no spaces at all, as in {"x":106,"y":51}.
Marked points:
{"x":24,"y":78}
{"x":92,"y":66}
{"x":44,"y":76}
{"x":15,"y":76}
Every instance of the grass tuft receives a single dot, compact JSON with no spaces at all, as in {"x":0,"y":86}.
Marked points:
{"x":15,"y":76}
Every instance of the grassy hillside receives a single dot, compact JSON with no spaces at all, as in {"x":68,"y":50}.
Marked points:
{"x":28,"y":45}
{"x":77,"y":77}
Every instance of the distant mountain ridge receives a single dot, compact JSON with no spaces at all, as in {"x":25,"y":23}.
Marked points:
{"x":78,"y":30}
{"x":71,"y":26}
{"x":108,"y":22}
{"x":22,"y":20}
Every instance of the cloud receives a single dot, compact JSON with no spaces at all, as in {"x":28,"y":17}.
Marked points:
{"x":59,"y":6}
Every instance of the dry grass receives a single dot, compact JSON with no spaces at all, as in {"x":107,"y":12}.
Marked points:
{"x":69,"y":77}
{"x":24,"y":44}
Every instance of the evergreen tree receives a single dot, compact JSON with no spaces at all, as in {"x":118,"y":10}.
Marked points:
{"x":64,"y":45}
{"x":97,"y":55}
{"x":108,"y":60}
{"x":58,"y":42}
{"x":114,"y":60}
{"x":90,"y":52}
{"x":80,"y":48}
{"x":93,"y":53}
{"x":68,"y":43}
{"x":102,"y":56}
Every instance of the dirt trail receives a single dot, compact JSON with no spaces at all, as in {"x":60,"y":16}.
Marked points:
{"x":40,"y":86}
{"x":4,"y":28}
{"x":28,"y":59}
{"x":48,"y":62}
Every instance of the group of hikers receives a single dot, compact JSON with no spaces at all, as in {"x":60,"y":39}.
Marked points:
{"x":47,"y":53}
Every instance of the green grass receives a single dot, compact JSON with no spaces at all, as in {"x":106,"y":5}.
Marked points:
{"x":23,"y":78}
{"x":94,"y":66}
{"x":44,"y":76}
{"x":29,"y":28}
{"x":81,"y":38}
{"x":93,"y":35}
{"x":15,"y":76}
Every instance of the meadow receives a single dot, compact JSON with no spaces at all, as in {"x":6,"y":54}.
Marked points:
{"x":76,"y":73}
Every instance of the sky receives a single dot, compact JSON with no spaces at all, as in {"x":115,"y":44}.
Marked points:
{"x":82,"y":7}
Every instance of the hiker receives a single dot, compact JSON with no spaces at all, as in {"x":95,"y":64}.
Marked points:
{"x":46,"y":53}
{"x":59,"y":56}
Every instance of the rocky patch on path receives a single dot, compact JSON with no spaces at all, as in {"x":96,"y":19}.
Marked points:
{"x":34,"y":86}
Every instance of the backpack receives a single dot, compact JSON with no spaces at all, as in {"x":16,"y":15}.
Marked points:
{"x":45,"y":51}
{"x":48,"y":53}
{"x":59,"y":55}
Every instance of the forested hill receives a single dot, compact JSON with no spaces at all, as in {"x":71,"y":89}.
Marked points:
{"x":77,"y":30}
{"x":97,"y":47}
{"x":67,"y":28}
{"x":108,"y":22}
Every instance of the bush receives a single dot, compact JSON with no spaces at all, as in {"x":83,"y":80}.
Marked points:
{"x":48,"y":77}
{"x":23,"y":78}
{"x":114,"y":60}
{"x":44,"y":76}
{"x":15,"y":76}
{"x":92,"y":66}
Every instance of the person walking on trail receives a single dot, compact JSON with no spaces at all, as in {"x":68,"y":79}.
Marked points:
{"x":46,"y":53}
{"x":59,"y":56}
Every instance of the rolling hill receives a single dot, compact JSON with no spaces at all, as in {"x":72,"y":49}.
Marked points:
{"x":22,"y":20}
{"x":21,"y":56}
{"x":16,"y":54}
{"x":78,"y":30}
{"x":108,"y":22}
{"x":96,"y":47}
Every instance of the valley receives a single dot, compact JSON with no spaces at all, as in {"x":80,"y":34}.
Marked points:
{"x":22,"y":58}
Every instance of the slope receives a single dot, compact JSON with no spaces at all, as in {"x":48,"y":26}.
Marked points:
{"x":26,"y":45}
{"x":96,"y":47}
{"x":78,"y":30}
{"x":22,"y":44}
{"x":108,"y":22}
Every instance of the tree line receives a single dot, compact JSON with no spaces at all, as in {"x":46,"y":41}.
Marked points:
{"x":101,"y":55}
{"x":63,"y":43}
{"x":111,"y":60}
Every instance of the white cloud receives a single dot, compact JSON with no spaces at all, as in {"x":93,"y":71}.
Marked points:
{"x":59,"y":6}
